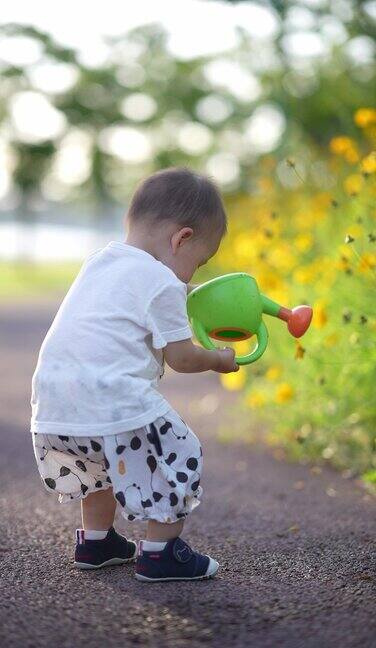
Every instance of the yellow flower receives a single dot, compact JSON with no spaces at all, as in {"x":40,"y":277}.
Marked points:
{"x":279,"y":296}
{"x":282,"y":257}
{"x":273,"y":373}
{"x":346,"y":147}
{"x":320,"y":316}
{"x":242,"y":347}
{"x":304,"y":275}
{"x":255,"y":399}
{"x":353,"y":183}
{"x":340,"y":145}
{"x":269,"y":281}
{"x":322,"y":200}
{"x":284,"y":393}
{"x":367,"y":261}
{"x":331,"y":340}
{"x":235,"y":380}
{"x":245,"y":248}
{"x":365,"y":117}
{"x":368,"y":164}
{"x":351,"y":155}
{"x":304,"y":242}
{"x":356,"y":230}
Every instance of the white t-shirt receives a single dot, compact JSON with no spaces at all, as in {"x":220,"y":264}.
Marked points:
{"x":100,"y":363}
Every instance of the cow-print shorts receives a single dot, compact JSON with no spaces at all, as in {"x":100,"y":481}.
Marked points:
{"x":154,"y":471}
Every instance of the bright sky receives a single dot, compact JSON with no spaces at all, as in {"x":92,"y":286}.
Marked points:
{"x":195,"y":26}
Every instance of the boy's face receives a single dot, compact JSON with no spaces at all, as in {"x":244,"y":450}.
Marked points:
{"x":192,"y":252}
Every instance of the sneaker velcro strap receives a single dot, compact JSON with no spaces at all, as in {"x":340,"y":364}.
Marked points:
{"x":181,"y":551}
{"x":80,"y":536}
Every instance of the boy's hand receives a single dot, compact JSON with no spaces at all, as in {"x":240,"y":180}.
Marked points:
{"x":226,"y":361}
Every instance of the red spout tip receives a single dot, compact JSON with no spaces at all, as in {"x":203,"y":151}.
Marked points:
{"x":299,"y":320}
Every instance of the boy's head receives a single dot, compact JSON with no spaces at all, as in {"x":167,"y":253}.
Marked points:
{"x":178,"y":216}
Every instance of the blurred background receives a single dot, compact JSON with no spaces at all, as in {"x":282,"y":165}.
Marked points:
{"x":276,"y":101}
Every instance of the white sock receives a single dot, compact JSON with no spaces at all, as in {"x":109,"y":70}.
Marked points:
{"x":147,"y":545}
{"x":91,"y":534}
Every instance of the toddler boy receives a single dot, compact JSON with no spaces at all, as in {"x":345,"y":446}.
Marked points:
{"x":102,"y":432}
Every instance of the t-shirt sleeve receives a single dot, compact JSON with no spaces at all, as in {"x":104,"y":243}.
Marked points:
{"x":167,"y":317}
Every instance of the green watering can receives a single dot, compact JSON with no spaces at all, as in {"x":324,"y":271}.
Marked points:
{"x":230,"y":308}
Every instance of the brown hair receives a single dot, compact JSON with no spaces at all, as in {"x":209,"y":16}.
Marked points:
{"x":182,"y":196}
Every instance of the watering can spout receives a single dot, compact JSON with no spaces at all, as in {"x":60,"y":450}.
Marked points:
{"x":297,"y":319}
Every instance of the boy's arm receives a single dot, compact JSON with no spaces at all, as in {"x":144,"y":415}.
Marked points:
{"x":186,"y":357}
{"x":167,"y":320}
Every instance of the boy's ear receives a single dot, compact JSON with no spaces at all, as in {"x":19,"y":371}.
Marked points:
{"x":179,"y":238}
{"x":185,"y":234}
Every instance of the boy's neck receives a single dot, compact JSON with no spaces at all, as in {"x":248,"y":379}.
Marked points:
{"x":141,"y":243}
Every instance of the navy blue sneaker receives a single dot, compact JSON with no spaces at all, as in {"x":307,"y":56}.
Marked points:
{"x":177,"y":561}
{"x":114,"y":549}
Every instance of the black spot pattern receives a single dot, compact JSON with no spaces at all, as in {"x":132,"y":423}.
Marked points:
{"x":152,"y":463}
{"x":165,"y":427}
{"x":153,"y":438}
{"x":169,"y":453}
{"x":120,"y":498}
{"x":192,"y":463}
{"x":135,"y":443}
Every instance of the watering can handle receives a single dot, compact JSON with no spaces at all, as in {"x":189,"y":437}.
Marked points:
{"x":262,"y":341}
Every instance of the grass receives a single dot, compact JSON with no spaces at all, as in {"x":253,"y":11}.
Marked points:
{"x":18,"y":281}
{"x":21,"y":280}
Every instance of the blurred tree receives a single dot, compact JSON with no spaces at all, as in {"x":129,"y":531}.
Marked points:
{"x":143,"y":109}
{"x":321,"y":96}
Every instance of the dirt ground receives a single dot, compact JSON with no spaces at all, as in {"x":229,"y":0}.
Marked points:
{"x":296,"y":547}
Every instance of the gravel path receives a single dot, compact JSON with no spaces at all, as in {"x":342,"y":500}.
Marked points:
{"x":296,"y":546}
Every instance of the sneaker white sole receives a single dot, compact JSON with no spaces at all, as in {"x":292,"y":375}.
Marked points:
{"x":210,"y":573}
{"x":107,"y":563}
